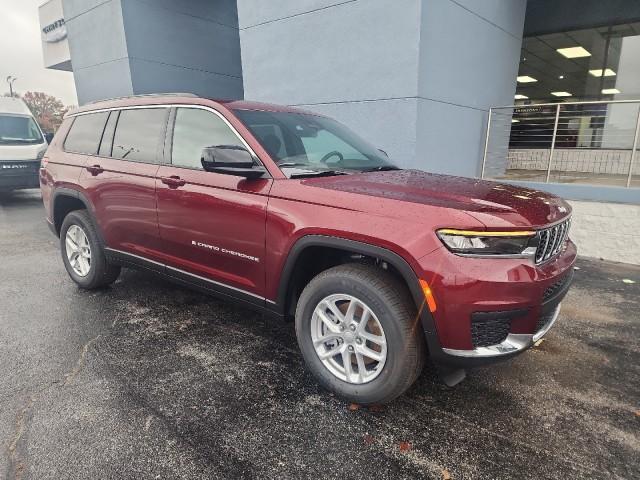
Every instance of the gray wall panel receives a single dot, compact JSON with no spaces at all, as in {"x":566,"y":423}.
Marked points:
{"x":253,"y":12}
{"x":354,"y":51}
{"x":96,"y":35}
{"x":506,"y":15}
{"x":162,"y":35}
{"x":105,"y":80}
{"x":450,"y":138}
{"x":472,"y":64}
{"x":153,"y":77}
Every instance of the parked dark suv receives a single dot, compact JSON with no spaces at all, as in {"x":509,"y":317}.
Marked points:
{"x":291,"y":213}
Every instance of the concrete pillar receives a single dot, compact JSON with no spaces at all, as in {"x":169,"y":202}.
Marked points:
{"x":125,"y":47}
{"x":415,"y":77}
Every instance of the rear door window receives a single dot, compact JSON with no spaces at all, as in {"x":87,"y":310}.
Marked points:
{"x":85,"y":133}
{"x":139,"y":134}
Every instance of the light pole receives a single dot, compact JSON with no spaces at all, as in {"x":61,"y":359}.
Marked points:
{"x":10,"y":81}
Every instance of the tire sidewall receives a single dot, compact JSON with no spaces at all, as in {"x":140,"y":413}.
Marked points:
{"x":385,"y":384}
{"x":75,"y":218}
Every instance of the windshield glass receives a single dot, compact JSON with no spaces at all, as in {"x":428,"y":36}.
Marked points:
{"x":18,"y":130}
{"x":299,"y":142}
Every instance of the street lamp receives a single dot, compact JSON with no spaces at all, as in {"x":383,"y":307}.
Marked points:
{"x":10,"y":81}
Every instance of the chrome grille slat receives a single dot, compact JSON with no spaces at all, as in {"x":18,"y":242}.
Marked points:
{"x":551,"y":241}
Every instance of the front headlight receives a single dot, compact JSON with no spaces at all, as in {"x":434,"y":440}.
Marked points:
{"x":484,"y":244}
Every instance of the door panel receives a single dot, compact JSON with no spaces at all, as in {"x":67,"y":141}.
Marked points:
{"x":211,"y":225}
{"x":214,"y":226}
{"x":124,"y":197}
{"x":121,"y":181}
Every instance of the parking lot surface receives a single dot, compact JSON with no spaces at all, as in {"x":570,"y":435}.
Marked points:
{"x":148,"y":380}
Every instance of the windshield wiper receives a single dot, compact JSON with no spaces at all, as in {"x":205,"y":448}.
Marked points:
{"x":318,"y":173}
{"x":383,"y":168}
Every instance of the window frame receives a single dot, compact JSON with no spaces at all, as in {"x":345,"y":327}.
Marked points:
{"x":165,"y":145}
{"x":159,"y":156}
{"x":66,"y":137}
{"x":171,"y":130}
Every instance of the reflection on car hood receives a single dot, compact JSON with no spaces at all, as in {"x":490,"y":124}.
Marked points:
{"x":495,"y":204}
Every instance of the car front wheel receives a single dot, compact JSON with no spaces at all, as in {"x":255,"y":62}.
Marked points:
{"x":358,"y":331}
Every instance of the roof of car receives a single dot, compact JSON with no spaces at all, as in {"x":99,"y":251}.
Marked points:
{"x":182,"y":98}
{"x":14,"y":106}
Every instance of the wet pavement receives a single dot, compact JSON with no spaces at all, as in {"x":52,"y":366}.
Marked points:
{"x":149,"y":380}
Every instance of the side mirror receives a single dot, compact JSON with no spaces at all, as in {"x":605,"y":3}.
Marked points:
{"x":231,"y":160}
{"x":48,"y":137}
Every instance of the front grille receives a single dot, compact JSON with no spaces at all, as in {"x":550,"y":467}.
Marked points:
{"x":551,"y":290}
{"x":551,"y":241}
{"x":485,"y":333}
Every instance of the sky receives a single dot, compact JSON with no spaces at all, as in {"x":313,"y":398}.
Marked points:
{"x":21,"y":53}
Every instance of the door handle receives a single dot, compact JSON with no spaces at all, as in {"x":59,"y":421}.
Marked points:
{"x":95,"y":170}
{"x":173,"y":181}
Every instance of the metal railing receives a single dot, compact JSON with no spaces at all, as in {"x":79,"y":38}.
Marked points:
{"x":592,"y":143}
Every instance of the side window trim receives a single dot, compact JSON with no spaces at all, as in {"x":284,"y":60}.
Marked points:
{"x":115,"y":114}
{"x":170,"y":107}
{"x":167,"y":150}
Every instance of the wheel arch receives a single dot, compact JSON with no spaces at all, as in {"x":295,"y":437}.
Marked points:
{"x":66,"y":200}
{"x":348,"y":247}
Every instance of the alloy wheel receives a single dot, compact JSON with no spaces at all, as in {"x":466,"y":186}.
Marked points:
{"x":348,"y":338}
{"x":78,"y":250}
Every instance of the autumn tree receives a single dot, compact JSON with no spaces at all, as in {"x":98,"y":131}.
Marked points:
{"x":47,"y":110}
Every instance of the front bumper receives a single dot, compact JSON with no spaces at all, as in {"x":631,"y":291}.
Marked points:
{"x":523,"y":299}
{"x":513,"y":344}
{"x":19,"y":174}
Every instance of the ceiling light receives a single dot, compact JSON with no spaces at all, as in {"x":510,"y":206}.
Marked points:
{"x":513,"y":120}
{"x":598,"y":72}
{"x":526,"y":79}
{"x":561,"y":94}
{"x":517,"y":96}
{"x":573,"y":52}
{"x":610,"y":91}
{"x":561,"y":77}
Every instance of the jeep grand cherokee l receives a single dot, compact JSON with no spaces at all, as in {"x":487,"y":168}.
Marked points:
{"x":291,"y":213}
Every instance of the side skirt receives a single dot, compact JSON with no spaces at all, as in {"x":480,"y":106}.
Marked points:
{"x":190,"y":280}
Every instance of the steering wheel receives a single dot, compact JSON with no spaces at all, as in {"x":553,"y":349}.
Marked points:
{"x":334,"y":153}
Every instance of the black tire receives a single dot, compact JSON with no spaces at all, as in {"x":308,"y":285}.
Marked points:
{"x":101,"y":273}
{"x":392,"y":304}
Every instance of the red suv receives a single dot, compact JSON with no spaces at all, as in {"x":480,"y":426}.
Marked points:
{"x":291,"y":213}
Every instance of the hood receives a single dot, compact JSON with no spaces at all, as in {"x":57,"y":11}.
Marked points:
{"x":21,"y":152}
{"x":496,"y":205}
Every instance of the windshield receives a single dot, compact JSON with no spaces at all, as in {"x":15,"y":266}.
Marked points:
{"x":302,"y":142}
{"x":19,"y":130}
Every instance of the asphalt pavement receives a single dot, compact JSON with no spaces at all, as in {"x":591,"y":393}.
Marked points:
{"x":149,"y":380}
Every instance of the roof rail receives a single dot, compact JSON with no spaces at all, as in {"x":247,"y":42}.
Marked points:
{"x":144,"y":95}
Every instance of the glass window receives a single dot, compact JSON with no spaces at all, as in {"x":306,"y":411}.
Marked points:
{"x":138,"y":133}
{"x":19,"y":130}
{"x":107,"y":137}
{"x":85,"y":133}
{"x":306,"y":142}
{"x":194,"y":130}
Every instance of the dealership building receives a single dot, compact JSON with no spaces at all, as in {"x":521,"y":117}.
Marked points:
{"x":538,"y":92}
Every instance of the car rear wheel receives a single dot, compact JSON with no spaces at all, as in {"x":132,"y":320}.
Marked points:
{"x":83,"y":254}
{"x":358,"y":331}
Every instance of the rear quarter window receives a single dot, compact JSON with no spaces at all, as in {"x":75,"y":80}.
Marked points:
{"x":85,"y":133}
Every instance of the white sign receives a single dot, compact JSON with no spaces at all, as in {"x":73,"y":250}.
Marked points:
{"x":55,"y":32}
